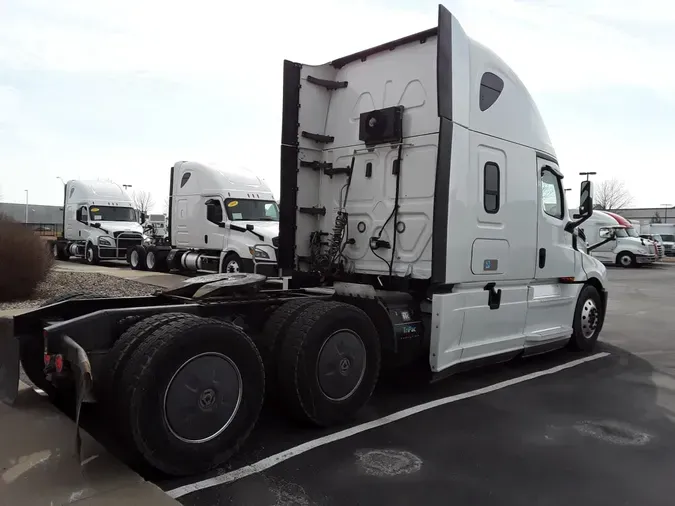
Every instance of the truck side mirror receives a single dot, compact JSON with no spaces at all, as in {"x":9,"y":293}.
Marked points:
{"x":586,"y":199}
{"x":221,"y":224}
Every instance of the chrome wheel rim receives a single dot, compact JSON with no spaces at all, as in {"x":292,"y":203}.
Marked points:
{"x":202,"y":398}
{"x":55,"y":251}
{"x":232,"y":266}
{"x":589,"y":318}
{"x":625,"y":260}
{"x":150,"y":260}
{"x":133,"y":259}
{"x":90,"y":254}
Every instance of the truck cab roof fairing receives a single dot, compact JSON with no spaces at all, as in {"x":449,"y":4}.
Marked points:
{"x":463,"y":69}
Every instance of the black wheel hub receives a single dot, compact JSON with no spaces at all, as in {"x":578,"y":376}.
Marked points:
{"x":202,"y":398}
{"x":341,"y":364}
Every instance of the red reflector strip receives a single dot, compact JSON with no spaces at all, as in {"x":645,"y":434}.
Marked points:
{"x":59,"y":363}
{"x":567,"y":280}
{"x":47,"y":359}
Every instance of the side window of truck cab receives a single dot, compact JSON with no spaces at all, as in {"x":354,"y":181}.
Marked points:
{"x":551,"y":194}
{"x":82,"y":215}
{"x":214,"y":211}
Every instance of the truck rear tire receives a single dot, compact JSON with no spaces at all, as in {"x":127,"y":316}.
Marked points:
{"x":191,"y":392}
{"x":273,"y":334}
{"x":91,"y":255}
{"x":136,"y":258}
{"x":588,"y":317}
{"x":329,"y":363}
{"x":151,"y":259}
{"x":115,"y":360}
{"x":59,"y":253}
{"x":155,"y":259}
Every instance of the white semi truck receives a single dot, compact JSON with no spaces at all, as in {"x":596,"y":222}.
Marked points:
{"x":99,"y":222}
{"x":612,"y":239}
{"x":667,"y":233}
{"x":422,"y":217}
{"x":220,"y":220}
{"x":156,"y":223}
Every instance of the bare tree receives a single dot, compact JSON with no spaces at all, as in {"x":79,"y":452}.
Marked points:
{"x":142,"y":201}
{"x":656,"y":218}
{"x":611,"y":195}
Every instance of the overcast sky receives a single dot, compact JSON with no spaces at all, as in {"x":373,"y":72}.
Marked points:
{"x":122,"y":89}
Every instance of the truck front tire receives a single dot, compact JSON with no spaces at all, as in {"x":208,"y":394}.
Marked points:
{"x":232,"y":263}
{"x":625,"y":259}
{"x":191,"y":394}
{"x":329,"y":363}
{"x":588,"y":317}
{"x":91,"y":255}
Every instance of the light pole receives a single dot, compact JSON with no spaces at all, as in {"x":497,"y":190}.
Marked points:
{"x":26,"y":220}
{"x":126,"y":186}
{"x":59,"y":177}
{"x":587,"y":174}
{"x":665,"y":210}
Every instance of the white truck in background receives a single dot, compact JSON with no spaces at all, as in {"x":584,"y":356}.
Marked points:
{"x":220,"y":220}
{"x":667,"y":233}
{"x":613,"y":240}
{"x":156,"y":225}
{"x":99,"y":222}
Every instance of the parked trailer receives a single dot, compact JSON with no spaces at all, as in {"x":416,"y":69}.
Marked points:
{"x":431,"y":234}
{"x":99,"y":223}
{"x":220,"y":220}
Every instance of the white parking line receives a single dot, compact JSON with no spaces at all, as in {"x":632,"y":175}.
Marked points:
{"x":273,"y":460}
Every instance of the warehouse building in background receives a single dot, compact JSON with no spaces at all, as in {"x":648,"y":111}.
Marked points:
{"x":646,"y":215}
{"x":45,"y":220}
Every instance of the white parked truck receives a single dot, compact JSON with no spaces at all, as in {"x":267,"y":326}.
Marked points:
{"x":99,"y":222}
{"x":156,"y":225}
{"x":423,"y":219}
{"x":220,"y":220}
{"x":667,"y":233}
{"x":612,"y":239}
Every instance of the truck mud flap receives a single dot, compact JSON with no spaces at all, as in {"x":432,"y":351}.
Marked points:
{"x":9,"y":362}
{"x":81,"y":367}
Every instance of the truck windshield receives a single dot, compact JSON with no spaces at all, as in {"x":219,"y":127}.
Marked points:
{"x":668,"y":237}
{"x":252,"y":210}
{"x":657,"y":238}
{"x":631,"y":232}
{"x":109,"y":213}
{"x":620,"y":232}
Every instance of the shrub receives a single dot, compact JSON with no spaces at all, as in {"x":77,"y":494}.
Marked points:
{"x":24,"y":260}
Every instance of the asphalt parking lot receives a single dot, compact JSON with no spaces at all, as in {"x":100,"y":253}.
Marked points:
{"x":556,"y":429}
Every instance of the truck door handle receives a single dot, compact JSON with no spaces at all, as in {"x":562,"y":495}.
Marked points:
{"x":542,"y":257}
{"x":206,"y":239}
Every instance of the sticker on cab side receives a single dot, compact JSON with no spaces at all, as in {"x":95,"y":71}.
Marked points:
{"x":234,"y":203}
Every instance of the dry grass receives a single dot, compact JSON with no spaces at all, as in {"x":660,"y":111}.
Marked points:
{"x":24,"y":260}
